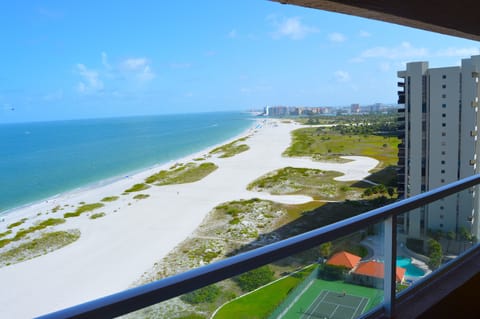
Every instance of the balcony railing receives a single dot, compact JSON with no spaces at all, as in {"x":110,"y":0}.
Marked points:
{"x":386,"y":217}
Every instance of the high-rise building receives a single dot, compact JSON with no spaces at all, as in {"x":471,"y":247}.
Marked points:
{"x":439,"y":132}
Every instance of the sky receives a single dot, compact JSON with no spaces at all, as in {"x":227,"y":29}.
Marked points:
{"x":89,"y":59}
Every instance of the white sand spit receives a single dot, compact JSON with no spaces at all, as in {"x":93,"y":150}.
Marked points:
{"x":114,"y":251}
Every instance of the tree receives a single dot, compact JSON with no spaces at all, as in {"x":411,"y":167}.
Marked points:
{"x":205,"y":294}
{"x":326,"y":249}
{"x":435,"y":254}
{"x":254,"y":278}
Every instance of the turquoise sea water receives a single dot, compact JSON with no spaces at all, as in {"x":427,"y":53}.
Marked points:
{"x":40,"y":160}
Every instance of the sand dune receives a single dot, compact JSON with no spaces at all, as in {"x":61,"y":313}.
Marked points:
{"x":115,"y":250}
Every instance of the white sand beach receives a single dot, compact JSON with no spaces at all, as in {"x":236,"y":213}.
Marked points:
{"x":114,"y":251}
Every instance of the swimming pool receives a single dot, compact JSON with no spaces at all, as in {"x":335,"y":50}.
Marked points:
{"x":412,"y":270}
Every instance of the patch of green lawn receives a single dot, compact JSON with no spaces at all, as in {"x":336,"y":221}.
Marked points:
{"x":321,"y":142}
{"x":260,"y":303}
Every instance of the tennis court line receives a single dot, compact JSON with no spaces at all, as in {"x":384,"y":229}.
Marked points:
{"x":319,"y":302}
{"x":294,"y":301}
{"x":358,"y":307}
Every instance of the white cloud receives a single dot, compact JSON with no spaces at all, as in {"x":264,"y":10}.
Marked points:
{"x":138,"y":68}
{"x":404,"y":51}
{"x":342,"y":76}
{"x":336,"y":37}
{"x":364,"y":34}
{"x":292,"y":28}
{"x":90,"y":80}
{"x":458,"y":52}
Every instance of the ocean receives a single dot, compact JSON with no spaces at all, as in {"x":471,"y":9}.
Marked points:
{"x":42,"y":159}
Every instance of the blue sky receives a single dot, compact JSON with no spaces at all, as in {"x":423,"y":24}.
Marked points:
{"x":86,"y":59}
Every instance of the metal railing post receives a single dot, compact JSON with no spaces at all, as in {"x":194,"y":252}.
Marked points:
{"x":389,"y":282}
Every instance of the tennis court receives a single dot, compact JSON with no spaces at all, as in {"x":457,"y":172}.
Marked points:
{"x":335,"y":305}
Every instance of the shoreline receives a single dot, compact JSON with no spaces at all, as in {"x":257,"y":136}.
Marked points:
{"x":41,"y":204}
{"x":115,"y":251}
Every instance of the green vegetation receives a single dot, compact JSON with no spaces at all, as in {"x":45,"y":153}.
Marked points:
{"x":83,"y":209}
{"x":434,"y":253}
{"x":5,"y":233}
{"x":24,"y":232}
{"x":141,"y":196}
{"x":260,"y":303}
{"x":231,"y":149}
{"x":206,"y":294}
{"x":45,"y":243}
{"x":188,"y":173}
{"x":137,"y":188}
{"x":97,"y":215}
{"x":316,"y":183}
{"x":254,"y":278}
{"x":12,"y":225}
{"x":109,"y":199}
{"x":332,"y":272}
{"x":322,"y":142}
{"x":56,"y":208}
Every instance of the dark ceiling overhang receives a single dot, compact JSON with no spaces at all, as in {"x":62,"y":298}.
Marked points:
{"x":459,"y":18}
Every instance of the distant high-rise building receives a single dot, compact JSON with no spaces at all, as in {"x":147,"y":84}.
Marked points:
{"x":439,"y":128}
{"x":355,"y":108}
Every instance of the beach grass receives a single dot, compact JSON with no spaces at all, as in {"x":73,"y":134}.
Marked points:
{"x":324,"y":142}
{"x":188,"y":173}
{"x":47,"y":242}
{"x":231,"y":149}
{"x":18,"y":223}
{"x":22,"y":233}
{"x":83,"y":209}
{"x":109,"y":199}
{"x":141,"y":196}
{"x":97,"y":215}
{"x":137,"y":188}
{"x":313,"y":182}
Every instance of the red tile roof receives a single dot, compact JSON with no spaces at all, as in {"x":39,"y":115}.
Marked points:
{"x":376,"y":269}
{"x":345,"y":259}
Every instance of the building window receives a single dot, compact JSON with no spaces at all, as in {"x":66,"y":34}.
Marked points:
{"x":444,"y":105}
{"x":441,"y":216}
{"x":443,"y":162}
{"x":444,"y":76}
{"x":441,"y":207}
{"x":444,"y":95}
{"x":444,"y":114}
{"x":443,"y":152}
{"x":442,"y":180}
{"x":444,"y":144}
{"x":444,"y":124}
{"x":442,"y":171}
{"x":444,"y":86}
{"x":441,"y":225}
{"x":444,"y":134}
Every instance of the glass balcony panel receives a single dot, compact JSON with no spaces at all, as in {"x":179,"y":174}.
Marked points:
{"x":338,"y":279}
{"x":433,"y":235}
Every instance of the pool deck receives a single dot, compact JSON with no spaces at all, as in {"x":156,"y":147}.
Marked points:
{"x":375,"y":248}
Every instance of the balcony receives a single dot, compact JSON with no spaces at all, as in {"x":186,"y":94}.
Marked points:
{"x":390,"y":294}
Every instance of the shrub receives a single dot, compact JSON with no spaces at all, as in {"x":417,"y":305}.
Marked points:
{"x":434,"y":253}
{"x":254,"y":278}
{"x":82,"y":209}
{"x":205,"y":294}
{"x":332,"y":272}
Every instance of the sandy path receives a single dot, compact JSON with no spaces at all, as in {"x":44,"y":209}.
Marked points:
{"x":115,"y":250}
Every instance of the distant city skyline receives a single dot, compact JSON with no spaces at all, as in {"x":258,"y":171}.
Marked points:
{"x":68,"y":60}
